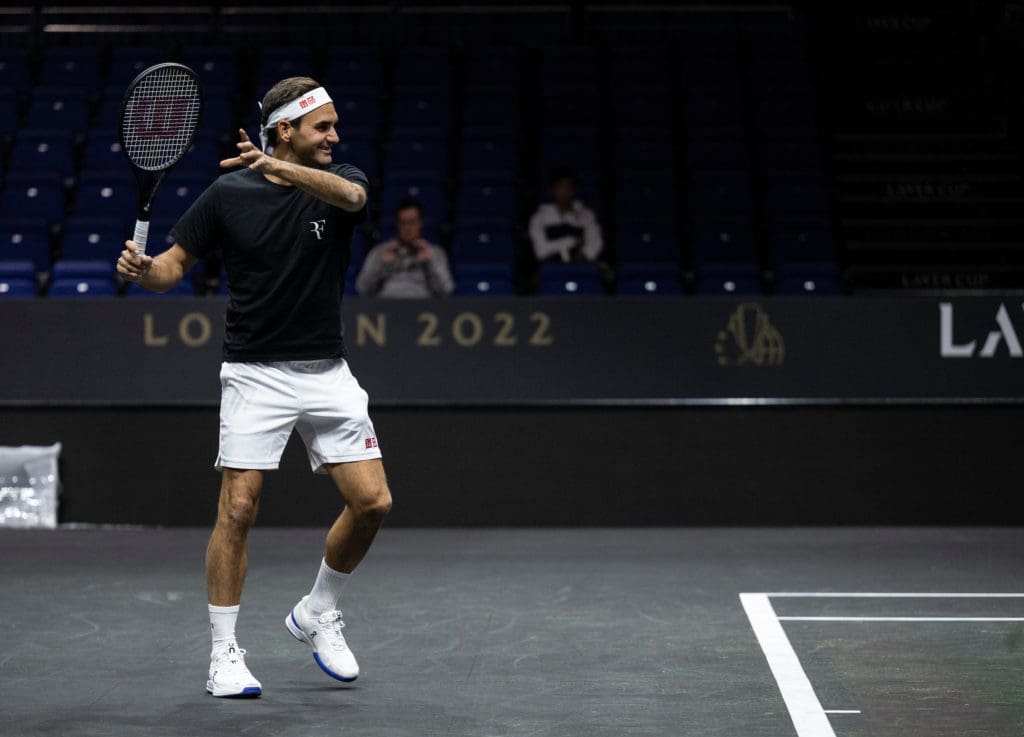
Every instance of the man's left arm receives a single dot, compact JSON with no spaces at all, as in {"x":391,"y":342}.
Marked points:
{"x":324,"y":185}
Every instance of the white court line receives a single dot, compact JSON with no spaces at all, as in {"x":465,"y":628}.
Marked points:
{"x":805,"y":710}
{"x":884,"y":595}
{"x":901,"y":619}
{"x":842,"y":711}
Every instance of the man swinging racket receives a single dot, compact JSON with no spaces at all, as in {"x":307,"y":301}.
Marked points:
{"x":283,"y":224}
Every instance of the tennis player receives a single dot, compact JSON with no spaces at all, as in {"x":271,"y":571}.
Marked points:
{"x":283,"y":224}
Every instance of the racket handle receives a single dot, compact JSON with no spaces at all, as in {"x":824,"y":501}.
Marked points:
{"x":141,"y":235}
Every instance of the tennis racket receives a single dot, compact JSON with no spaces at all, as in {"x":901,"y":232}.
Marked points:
{"x":159,"y":119}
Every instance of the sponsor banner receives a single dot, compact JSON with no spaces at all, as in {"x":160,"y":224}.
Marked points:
{"x":156,"y":351}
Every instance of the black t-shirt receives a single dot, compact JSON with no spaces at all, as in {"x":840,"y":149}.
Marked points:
{"x":285,"y":252}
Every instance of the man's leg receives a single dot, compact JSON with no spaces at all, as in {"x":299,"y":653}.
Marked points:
{"x":367,"y":502}
{"x":226,"y":565}
{"x":226,"y":554}
{"x":316,"y":620}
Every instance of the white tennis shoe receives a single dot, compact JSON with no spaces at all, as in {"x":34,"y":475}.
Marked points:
{"x":229,"y":676}
{"x":323,"y":634}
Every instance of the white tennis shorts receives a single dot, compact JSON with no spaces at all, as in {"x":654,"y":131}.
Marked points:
{"x":260,"y":404}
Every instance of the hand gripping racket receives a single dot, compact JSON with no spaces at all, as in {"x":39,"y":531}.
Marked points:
{"x":159,"y":118}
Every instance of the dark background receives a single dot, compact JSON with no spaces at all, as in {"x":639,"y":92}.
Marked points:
{"x":896,"y":127}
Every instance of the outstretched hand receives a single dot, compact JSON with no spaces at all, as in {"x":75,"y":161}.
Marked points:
{"x":248,"y":154}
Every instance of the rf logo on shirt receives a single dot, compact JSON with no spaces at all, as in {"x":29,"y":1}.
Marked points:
{"x":317,"y":228}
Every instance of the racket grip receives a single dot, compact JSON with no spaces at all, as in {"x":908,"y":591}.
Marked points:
{"x":141,"y":235}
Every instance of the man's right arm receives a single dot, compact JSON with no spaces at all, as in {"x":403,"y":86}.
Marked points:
{"x":156,"y":274}
{"x":371,"y":276}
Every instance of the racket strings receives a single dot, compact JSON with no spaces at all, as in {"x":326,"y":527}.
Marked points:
{"x":160,"y":117}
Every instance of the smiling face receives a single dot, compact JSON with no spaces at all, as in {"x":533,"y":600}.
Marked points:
{"x":309,"y":143}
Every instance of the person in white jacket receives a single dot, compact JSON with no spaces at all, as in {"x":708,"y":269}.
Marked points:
{"x":565,"y":230}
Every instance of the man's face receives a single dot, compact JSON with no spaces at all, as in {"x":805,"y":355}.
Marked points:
{"x":410,"y":224}
{"x":311,"y":141}
{"x":564,"y":192}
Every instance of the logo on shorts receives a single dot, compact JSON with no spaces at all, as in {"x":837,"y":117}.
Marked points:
{"x":371,"y":443}
{"x":317,"y":228}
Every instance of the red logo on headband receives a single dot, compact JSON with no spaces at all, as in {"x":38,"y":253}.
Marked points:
{"x":307,"y":102}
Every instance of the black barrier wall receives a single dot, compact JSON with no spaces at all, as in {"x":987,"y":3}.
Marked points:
{"x":557,"y":412}
{"x":600,"y":466}
{"x":563,"y":352}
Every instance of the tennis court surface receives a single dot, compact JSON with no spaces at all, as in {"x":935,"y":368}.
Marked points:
{"x":752,"y":632}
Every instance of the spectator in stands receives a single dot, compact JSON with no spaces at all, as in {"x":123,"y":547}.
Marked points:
{"x":565,"y":230}
{"x":406,"y":266}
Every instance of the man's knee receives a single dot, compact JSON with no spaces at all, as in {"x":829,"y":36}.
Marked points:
{"x":374,"y":507}
{"x":239,"y":501}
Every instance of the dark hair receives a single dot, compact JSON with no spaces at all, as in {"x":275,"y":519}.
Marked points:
{"x":408,"y":202}
{"x":558,"y":173}
{"x":281,"y":94}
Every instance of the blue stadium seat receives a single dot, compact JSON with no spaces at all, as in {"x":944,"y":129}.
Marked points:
{"x":483,"y":280}
{"x":642,"y":106}
{"x":738,"y":278}
{"x":427,"y":155}
{"x":81,"y":288}
{"x":427,"y":192}
{"x":70,"y":68}
{"x":106,"y":195}
{"x":795,"y":196}
{"x":647,"y":241}
{"x":642,"y":195}
{"x":43,"y":151}
{"x":218,"y":117}
{"x":202,"y":158}
{"x":91,"y":238}
{"x":424,"y":66}
{"x":489,"y":153}
{"x":17,"y":288}
{"x":215,"y":65}
{"x":721,"y":194}
{"x":787,"y":117}
{"x":419,"y":106}
{"x":801,"y":242}
{"x":33,"y":195}
{"x":361,"y":153}
{"x":348,"y":65}
{"x":15,"y":69}
{"x":358,"y":111}
{"x":493,"y":67}
{"x":25,"y":240}
{"x":281,"y":62}
{"x":93,"y":269}
{"x":576,"y":65}
{"x":63,"y":109}
{"x":571,"y":108}
{"x":483,"y":242}
{"x":8,"y":112}
{"x":23,"y":269}
{"x":485,"y":196}
{"x":108,"y":114}
{"x":644,"y":148}
{"x":722,"y":240}
{"x":178,"y":193}
{"x":649,"y":279}
{"x":103,"y":152}
{"x":570,"y":280}
{"x":809,"y":279}
{"x":713,"y":112}
{"x":717,"y":154}
{"x":494,"y":107}
{"x":779,"y":156}
{"x":127,"y":62}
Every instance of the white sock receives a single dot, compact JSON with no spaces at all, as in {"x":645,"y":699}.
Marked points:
{"x":326,"y":590}
{"x":222,"y":625}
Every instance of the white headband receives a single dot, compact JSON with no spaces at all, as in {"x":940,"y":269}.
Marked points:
{"x":307,"y":103}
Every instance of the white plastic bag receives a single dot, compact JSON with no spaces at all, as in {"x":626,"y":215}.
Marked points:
{"x":29,"y":484}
